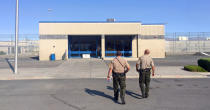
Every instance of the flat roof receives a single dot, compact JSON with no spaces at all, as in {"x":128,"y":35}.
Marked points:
{"x":102,"y":22}
{"x":89,"y":22}
{"x":154,"y":23}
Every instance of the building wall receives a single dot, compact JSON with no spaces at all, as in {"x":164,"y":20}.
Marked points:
{"x":134,"y":47}
{"x":187,"y":47}
{"x":54,"y":34}
{"x":152,"y":38}
{"x":152,"y":30}
{"x":89,"y":28}
{"x":103,"y":46}
{"x":156,"y":47}
{"x":46,"y":49}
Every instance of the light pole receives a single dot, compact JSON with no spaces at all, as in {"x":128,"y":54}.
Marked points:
{"x":16,"y":35}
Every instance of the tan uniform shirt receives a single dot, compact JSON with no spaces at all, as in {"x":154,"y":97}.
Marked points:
{"x":145,"y":62}
{"x":117,"y":67}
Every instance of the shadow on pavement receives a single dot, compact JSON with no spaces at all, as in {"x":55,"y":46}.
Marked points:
{"x":98,"y":93}
{"x":10,"y":65}
{"x":128,"y":92}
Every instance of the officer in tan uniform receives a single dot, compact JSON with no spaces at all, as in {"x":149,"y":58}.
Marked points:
{"x":119,"y":67}
{"x":144,"y":66}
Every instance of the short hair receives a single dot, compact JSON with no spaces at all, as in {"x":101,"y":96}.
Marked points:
{"x":119,"y":53}
{"x":146,"y":51}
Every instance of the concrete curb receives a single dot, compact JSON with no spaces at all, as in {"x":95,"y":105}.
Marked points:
{"x":129,"y":77}
{"x":165,"y":76}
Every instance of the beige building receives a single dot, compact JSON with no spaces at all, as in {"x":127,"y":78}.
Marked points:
{"x":100,"y":39}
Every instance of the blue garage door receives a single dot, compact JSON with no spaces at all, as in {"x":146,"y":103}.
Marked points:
{"x":118,"y":43}
{"x":79,"y":45}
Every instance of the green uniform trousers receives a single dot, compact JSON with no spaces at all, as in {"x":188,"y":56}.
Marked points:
{"x":144,"y":82}
{"x":119,"y":80}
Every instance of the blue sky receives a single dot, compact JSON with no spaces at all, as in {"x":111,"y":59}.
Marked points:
{"x":180,"y":15}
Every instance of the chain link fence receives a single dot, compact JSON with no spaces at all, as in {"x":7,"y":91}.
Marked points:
{"x":28,"y":52}
{"x":28,"y":44}
{"x":179,"y":43}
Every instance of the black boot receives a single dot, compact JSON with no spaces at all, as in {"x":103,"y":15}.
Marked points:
{"x":116,"y":98}
{"x":116,"y":95}
{"x":123,"y":101}
{"x":143,"y":96}
{"x":146,"y":95}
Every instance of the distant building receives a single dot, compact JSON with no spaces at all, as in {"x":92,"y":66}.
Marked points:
{"x":100,"y":39}
{"x":208,"y":38}
{"x":24,"y":46}
{"x":181,"y":38}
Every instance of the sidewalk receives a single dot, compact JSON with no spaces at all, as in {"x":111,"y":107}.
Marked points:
{"x":91,"y":68}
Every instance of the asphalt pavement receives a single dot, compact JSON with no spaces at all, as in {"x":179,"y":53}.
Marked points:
{"x":33,"y":62}
{"x":97,"y":94}
{"x":31,"y":68}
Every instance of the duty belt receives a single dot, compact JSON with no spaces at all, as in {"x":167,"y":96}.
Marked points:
{"x":118,"y":74}
{"x":145,"y":70}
